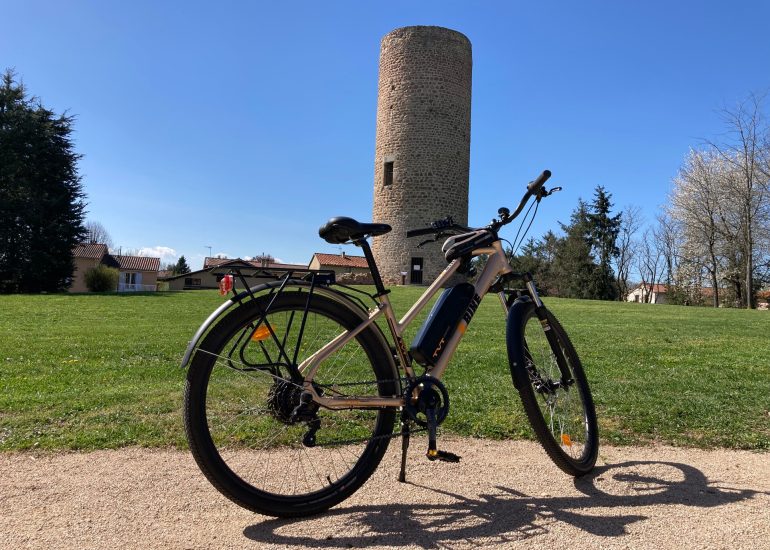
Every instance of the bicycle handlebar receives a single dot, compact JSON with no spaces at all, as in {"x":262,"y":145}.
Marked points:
{"x":538,"y":182}
{"x":418,"y":232}
{"x":533,"y":189}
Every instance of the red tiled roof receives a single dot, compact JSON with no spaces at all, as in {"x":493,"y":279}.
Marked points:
{"x":93,"y":251}
{"x":138,"y":263}
{"x":340,"y":260}
{"x":213,"y":262}
{"x":658,"y":289}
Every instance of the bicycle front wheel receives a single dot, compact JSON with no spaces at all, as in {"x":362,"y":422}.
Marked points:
{"x":558,"y":404}
{"x":241,"y":403}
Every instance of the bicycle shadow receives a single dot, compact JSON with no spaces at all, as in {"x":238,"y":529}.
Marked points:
{"x":507,"y":515}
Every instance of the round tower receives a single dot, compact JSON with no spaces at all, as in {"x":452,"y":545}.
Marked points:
{"x":422,"y":151}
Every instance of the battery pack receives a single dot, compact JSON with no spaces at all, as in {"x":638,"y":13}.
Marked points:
{"x":430,"y":341}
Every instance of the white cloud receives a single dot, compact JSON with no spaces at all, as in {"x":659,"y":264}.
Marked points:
{"x":166,"y":254}
{"x":222,"y":255}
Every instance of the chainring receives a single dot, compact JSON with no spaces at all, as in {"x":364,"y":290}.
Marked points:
{"x":423,"y":393}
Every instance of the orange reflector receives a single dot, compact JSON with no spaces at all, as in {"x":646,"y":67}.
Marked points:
{"x":462,"y":327}
{"x":262,"y":333}
{"x":566,"y":441}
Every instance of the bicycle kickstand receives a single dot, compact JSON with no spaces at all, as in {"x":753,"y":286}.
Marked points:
{"x":405,"y":434}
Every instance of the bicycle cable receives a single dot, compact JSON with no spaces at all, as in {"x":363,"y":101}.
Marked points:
{"x":516,"y":239}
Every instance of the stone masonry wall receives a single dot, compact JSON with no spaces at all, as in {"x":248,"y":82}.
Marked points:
{"x":423,"y":127}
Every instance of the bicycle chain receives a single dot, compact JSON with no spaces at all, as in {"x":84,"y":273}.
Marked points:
{"x":400,"y":381}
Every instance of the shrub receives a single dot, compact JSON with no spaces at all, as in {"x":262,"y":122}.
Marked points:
{"x":102,"y":279}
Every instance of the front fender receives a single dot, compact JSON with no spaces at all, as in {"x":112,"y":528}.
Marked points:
{"x":513,"y":339}
{"x":212,"y":319}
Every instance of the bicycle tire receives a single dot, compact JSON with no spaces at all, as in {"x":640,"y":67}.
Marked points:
{"x":237,"y":427}
{"x":564,"y":420}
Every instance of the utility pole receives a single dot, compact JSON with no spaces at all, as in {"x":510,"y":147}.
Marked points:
{"x":207,"y":246}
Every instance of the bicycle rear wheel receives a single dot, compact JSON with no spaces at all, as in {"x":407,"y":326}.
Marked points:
{"x":559,"y":408}
{"x":240,"y":400}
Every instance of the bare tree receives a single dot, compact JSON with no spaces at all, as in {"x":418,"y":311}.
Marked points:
{"x":696,"y":207}
{"x":648,"y":263}
{"x":668,"y":242}
{"x":630,"y":223}
{"x":97,"y":233}
{"x":746,"y":150}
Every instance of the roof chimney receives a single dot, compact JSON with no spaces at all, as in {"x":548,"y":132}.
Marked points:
{"x":343,"y":254}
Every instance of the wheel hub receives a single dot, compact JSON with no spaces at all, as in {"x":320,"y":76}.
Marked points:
{"x":282,"y":399}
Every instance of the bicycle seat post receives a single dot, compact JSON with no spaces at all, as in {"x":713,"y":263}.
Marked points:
{"x":362,"y":242}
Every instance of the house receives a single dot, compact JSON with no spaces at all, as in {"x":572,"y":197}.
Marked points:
{"x":259,"y":270}
{"x":136,"y":272}
{"x":656,"y":294}
{"x":347,"y":269}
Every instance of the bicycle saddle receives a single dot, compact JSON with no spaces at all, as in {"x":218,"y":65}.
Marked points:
{"x":341,"y":230}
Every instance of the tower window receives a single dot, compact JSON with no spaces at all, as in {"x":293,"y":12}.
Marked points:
{"x":387,"y":173}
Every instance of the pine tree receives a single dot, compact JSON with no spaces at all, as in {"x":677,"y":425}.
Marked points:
{"x":604,"y":230}
{"x":41,"y":198}
{"x":574,"y":266}
{"x":181,"y":266}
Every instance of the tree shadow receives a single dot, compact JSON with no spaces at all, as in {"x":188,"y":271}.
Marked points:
{"x":506,"y":515}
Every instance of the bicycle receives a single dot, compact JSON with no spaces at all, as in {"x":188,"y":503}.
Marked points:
{"x":293,"y":389}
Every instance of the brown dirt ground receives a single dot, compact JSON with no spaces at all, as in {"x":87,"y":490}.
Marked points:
{"x":503,"y":494}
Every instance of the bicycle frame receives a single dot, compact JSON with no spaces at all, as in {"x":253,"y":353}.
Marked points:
{"x":496,"y":265}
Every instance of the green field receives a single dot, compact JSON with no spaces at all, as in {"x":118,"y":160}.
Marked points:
{"x":102,"y":371}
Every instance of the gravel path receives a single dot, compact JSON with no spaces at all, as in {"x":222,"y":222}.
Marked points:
{"x":649,"y":497}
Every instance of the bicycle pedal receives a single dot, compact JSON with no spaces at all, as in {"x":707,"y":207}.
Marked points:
{"x":443,"y":456}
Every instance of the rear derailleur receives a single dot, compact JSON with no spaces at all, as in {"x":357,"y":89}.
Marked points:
{"x":291,"y":404}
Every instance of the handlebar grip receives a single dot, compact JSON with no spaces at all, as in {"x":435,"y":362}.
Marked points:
{"x":538,"y":182}
{"x":422,"y":231}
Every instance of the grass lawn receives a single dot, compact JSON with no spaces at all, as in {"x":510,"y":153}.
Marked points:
{"x":97,"y":371}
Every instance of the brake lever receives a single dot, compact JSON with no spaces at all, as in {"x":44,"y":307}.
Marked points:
{"x":433,"y":240}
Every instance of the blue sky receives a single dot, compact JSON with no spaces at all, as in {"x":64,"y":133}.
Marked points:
{"x":245,"y":125}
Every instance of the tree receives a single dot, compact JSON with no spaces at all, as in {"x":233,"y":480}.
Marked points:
{"x":648,"y":263}
{"x":574,"y":265}
{"x":41,"y":198}
{"x":630,"y":223}
{"x":97,"y":233}
{"x":604,"y":230}
{"x":181,"y":266}
{"x":697,"y":204}
{"x":747,"y":151}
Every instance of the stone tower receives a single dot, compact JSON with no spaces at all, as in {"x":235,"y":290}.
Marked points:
{"x":422,"y":152}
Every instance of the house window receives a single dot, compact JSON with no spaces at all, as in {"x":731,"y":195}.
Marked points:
{"x":387,"y":173}
{"x":129,"y":278}
{"x":189,"y":281}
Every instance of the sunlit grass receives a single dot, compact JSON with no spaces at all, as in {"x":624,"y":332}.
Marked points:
{"x":87,"y":371}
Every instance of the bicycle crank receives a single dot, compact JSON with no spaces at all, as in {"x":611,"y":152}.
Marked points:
{"x":427,"y":404}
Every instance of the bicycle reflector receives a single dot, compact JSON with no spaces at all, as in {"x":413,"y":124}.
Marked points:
{"x":262,"y":333}
{"x":225,"y":285}
{"x":566,"y":440}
